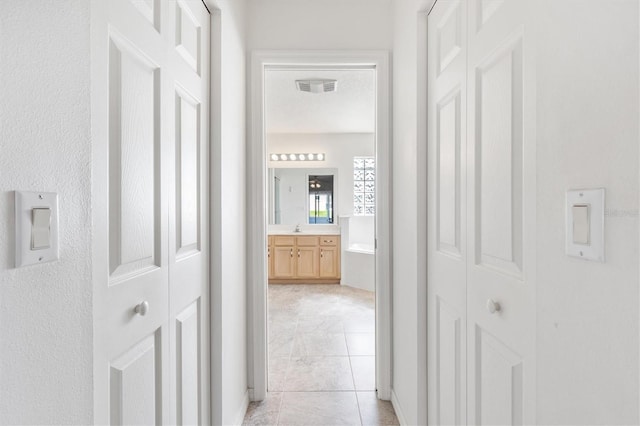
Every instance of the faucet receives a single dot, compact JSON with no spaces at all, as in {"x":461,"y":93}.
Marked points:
{"x":297,"y":228}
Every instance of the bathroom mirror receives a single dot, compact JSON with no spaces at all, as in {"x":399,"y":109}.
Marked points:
{"x":299,"y":196}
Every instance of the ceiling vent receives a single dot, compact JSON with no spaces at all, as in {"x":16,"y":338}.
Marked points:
{"x":317,"y":86}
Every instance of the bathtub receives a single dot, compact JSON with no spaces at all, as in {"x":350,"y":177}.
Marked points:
{"x":358,"y":260}
{"x":361,"y":248}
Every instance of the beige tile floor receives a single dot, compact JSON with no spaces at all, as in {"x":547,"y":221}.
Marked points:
{"x":321,"y":359}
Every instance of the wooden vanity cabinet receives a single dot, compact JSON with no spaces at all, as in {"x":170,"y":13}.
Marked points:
{"x":304,"y":259}
{"x":308,"y":260}
{"x":284,"y":260}
{"x":329,"y":257}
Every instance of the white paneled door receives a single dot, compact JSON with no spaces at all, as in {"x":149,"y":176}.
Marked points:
{"x":482,"y":161}
{"x":447,"y":201}
{"x":150,"y":129}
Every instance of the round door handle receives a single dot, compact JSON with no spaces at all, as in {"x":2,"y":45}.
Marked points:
{"x":142,"y":308}
{"x":493,"y":306}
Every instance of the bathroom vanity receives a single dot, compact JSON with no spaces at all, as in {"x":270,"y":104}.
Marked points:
{"x":304,"y":259}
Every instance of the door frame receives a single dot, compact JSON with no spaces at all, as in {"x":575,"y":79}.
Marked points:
{"x":257,"y":205}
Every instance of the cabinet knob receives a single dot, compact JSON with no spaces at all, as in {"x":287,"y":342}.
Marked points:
{"x":321,"y":253}
{"x":298,"y":253}
{"x":291,"y":253}
{"x":142,"y":308}
{"x":493,"y":306}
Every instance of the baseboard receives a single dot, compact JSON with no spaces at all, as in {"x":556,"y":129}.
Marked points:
{"x":239,"y":419}
{"x":396,"y":406}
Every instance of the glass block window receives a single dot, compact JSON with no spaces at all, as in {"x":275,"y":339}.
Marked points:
{"x":364,"y":186}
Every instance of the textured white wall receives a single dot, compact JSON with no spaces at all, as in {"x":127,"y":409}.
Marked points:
{"x":229,"y":308}
{"x":46,"y":310}
{"x":587,"y":313}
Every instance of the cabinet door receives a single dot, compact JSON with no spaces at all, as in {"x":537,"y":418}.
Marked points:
{"x":307,"y":262}
{"x":329,"y":262}
{"x":283,"y":262}
{"x":270,"y":260}
{"x":270,"y":255}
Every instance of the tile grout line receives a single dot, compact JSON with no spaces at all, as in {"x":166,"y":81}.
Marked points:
{"x":353,"y":379}
{"x":280,"y":408}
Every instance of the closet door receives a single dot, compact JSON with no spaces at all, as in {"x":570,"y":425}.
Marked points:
{"x":501,"y":213}
{"x":150,"y":115}
{"x":447,"y":200}
{"x":130,"y":210}
{"x":187,"y":103}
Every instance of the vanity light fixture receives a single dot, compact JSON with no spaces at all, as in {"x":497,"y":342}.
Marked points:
{"x":296,"y":157}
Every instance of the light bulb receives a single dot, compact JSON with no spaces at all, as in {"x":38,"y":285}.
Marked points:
{"x":274,"y":157}
{"x":284,"y":157}
{"x":292,"y":157}
{"x":301,"y":157}
{"x":310,"y":156}
{"x":320,"y":157}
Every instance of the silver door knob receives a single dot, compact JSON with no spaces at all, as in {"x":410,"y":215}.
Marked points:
{"x":142,"y":308}
{"x":493,"y":306}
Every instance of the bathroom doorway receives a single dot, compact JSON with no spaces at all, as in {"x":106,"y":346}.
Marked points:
{"x":320,"y":299}
{"x":320,"y":156}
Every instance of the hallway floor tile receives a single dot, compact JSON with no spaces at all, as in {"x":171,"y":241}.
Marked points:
{"x":321,"y":359}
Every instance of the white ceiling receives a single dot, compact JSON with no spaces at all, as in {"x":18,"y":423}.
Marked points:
{"x":349,"y":110}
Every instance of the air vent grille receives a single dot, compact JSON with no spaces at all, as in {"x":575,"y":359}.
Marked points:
{"x":330,"y":86}
{"x":317,"y":85}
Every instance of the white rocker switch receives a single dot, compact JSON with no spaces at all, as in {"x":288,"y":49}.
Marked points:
{"x":584,"y":235}
{"x":40,"y":228}
{"x":36,"y":219}
{"x":581,"y":224}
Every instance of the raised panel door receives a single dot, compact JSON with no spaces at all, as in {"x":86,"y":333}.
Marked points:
{"x":329,"y":262}
{"x":130,"y":204}
{"x":501,"y":220}
{"x":270,"y":257}
{"x":283,"y":262}
{"x":446,"y":214}
{"x":188,"y":104}
{"x":307,"y":264}
{"x":150,"y":141}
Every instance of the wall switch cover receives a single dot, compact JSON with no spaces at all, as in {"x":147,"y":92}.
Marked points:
{"x":585,"y":224}
{"x":36,"y":227}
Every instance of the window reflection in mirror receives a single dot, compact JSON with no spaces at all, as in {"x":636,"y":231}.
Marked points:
{"x":320,"y":199}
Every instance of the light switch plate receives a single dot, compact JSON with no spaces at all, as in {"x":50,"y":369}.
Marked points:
{"x":25,"y":203}
{"x":585,"y":224}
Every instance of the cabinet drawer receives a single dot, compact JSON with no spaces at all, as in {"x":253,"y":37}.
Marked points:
{"x":283,"y":240}
{"x":329,"y":240}
{"x":307,"y":241}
